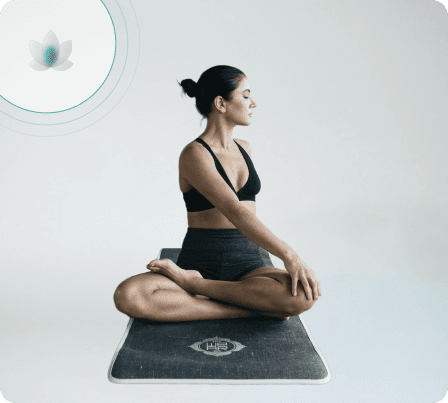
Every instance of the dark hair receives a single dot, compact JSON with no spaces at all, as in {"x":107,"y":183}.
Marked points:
{"x":217,"y":80}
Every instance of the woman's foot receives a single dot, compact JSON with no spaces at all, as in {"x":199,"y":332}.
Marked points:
{"x":183,"y":278}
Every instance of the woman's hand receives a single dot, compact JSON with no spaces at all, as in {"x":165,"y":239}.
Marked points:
{"x":298,"y":270}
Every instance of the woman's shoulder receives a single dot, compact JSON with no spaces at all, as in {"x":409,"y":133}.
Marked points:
{"x":192,"y":150}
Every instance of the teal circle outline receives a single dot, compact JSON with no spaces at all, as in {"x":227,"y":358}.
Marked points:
{"x":126,"y":59}
{"x":113,"y":61}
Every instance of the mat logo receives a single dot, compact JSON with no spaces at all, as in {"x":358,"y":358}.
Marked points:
{"x":217,"y":346}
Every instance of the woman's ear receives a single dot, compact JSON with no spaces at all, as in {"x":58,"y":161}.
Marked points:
{"x":220,"y":104}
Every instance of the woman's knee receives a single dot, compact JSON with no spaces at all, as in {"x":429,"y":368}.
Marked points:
{"x":300,"y":302}
{"x":123,"y":295}
{"x":293,"y":306}
{"x":130,"y":291}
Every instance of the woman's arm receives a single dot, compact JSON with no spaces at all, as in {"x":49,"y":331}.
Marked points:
{"x":200,"y":170}
{"x":251,"y":227}
{"x":258,"y":233}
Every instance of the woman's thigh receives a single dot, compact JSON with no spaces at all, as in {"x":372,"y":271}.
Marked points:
{"x":280,"y":275}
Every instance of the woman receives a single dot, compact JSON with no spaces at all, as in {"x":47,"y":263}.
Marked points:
{"x":219,"y":273}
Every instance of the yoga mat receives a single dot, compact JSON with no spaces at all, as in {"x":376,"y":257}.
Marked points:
{"x":258,"y":350}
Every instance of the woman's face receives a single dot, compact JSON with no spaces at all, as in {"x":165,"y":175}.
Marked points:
{"x":241,"y":105}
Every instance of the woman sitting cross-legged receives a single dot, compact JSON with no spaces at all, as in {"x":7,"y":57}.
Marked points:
{"x":219,"y":273}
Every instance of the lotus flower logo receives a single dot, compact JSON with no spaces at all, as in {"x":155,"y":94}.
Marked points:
{"x":50,"y":54}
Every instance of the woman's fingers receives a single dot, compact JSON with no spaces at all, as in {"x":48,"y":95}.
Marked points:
{"x":295,"y":279}
{"x":315,"y":284}
{"x":306,"y":287}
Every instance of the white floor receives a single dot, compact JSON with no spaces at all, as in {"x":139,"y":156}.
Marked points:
{"x":384,"y":339}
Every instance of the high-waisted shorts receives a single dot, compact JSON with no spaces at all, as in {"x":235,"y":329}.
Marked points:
{"x":220,"y":254}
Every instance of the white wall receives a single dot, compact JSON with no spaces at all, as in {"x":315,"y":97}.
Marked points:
{"x":349,"y":141}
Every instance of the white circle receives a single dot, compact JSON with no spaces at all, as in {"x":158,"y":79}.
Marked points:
{"x":86,"y":23}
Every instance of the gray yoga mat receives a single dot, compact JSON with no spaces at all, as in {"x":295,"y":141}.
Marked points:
{"x":259,"y":350}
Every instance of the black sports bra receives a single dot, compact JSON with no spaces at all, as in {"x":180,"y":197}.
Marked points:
{"x":195,"y":201}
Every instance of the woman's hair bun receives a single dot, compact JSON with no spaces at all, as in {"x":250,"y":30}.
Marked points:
{"x":189,"y":87}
